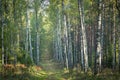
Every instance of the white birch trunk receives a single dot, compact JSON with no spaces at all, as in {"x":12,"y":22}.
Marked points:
{"x":83,"y":31}
{"x":82,"y":53}
{"x":99,"y":47}
{"x":65,"y":42}
{"x":29,"y":35}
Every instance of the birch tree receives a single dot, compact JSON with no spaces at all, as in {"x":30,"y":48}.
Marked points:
{"x":83,"y":32}
{"x":36,"y":7}
{"x":65,"y":42}
{"x":28,"y":32}
{"x":99,"y":46}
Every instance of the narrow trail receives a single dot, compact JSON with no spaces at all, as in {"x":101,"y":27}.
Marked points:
{"x":53,"y":69}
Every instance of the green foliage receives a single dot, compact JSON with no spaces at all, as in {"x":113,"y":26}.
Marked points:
{"x":28,"y":61}
{"x":24,"y":58}
{"x":110,"y":56}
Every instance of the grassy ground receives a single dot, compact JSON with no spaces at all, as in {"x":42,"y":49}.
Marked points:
{"x":50,"y":70}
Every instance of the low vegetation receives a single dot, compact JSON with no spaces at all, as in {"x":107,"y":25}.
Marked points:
{"x":22,"y":72}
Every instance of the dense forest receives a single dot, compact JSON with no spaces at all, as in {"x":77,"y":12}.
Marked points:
{"x":59,"y":39}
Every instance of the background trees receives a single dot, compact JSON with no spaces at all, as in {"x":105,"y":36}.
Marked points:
{"x":77,"y":34}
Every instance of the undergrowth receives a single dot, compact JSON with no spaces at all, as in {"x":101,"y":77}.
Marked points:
{"x":22,"y":72}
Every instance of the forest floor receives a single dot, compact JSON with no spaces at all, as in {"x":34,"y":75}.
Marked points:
{"x":50,"y":70}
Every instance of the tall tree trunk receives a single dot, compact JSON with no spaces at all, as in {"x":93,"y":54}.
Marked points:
{"x":27,"y":30}
{"x":38,"y":52}
{"x":2,"y":42}
{"x":99,"y":47}
{"x":102,"y":34}
{"x":69,"y":42}
{"x":83,"y":31}
{"x":114,"y":40}
{"x":58,"y":38}
{"x":59,"y":35}
{"x":37,"y":37}
{"x":28,"y":33}
{"x":82,"y":53}
{"x":66,"y":42}
{"x":16,"y":43}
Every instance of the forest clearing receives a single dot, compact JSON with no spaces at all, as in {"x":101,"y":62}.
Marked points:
{"x":59,"y":39}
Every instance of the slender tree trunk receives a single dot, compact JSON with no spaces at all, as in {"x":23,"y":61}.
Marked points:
{"x":74,"y":45}
{"x":38,"y":52}
{"x":37,"y":37}
{"x":83,"y":31}
{"x":16,"y":43}
{"x":65,"y":42}
{"x":79,"y":47}
{"x":29,"y":35}
{"x":56,"y":45}
{"x":99,"y":47}
{"x":57,"y":38}
{"x":91,"y":42}
{"x":114,"y":41}
{"x":28,"y":45}
{"x":82,"y":54}
{"x":58,"y":33}
{"x":2,"y":43}
{"x":27,"y":30}
{"x":69,"y":43}
{"x":102,"y":34}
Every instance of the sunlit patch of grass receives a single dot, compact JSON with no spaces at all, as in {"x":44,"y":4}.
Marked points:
{"x":43,"y":72}
{"x":66,"y":70}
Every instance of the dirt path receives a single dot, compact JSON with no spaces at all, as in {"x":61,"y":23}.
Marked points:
{"x":53,"y":69}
